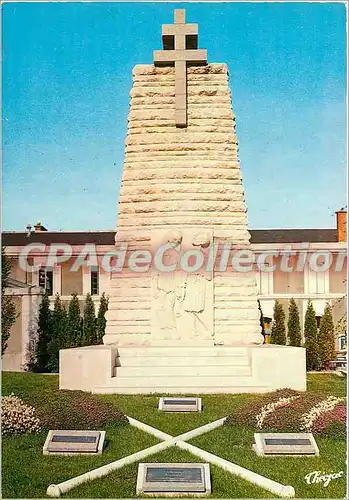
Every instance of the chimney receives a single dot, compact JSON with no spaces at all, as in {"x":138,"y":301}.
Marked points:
{"x":39,"y":227}
{"x":341,"y":224}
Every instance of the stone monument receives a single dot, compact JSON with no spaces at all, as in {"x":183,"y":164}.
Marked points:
{"x":181,"y":193}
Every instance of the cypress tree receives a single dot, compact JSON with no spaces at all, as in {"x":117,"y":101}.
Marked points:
{"x":8,"y":308}
{"x":261,"y":320}
{"x":278,"y":329}
{"x":101,"y":321}
{"x":41,"y":355}
{"x":311,"y":340}
{"x":58,"y":339}
{"x":340,"y":328}
{"x":89,"y":336}
{"x":326,"y":340}
{"x":74,"y":323}
{"x":293,"y":325}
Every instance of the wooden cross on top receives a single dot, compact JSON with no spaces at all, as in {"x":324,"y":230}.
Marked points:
{"x":180,"y":42}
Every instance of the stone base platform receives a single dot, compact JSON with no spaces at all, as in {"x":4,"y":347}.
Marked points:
{"x":108,"y":369}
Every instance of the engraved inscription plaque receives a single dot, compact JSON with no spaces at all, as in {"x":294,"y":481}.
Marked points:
{"x":174,"y":478}
{"x":291,"y":443}
{"x":174,"y":474}
{"x":72,"y":442}
{"x":180,"y":404}
{"x":73,"y":439}
{"x":287,"y":442}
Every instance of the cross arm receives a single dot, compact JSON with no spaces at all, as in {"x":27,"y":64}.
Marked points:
{"x":180,"y":29}
{"x":170,"y":56}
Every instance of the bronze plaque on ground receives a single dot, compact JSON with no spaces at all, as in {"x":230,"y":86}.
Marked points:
{"x":281,"y":443}
{"x":71,"y":442}
{"x":180,"y":404}
{"x":167,"y":478}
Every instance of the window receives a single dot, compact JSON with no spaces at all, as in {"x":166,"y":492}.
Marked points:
{"x":94,"y":281}
{"x":342,"y":343}
{"x":46,"y":279}
{"x":317,"y":281}
{"x":264,"y":280}
{"x":318,"y":320}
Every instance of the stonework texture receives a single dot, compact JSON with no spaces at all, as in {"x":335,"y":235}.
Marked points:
{"x":183,"y":182}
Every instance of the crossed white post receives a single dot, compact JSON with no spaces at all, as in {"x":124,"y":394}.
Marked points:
{"x":56,"y":490}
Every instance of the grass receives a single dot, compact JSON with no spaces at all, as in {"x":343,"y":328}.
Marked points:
{"x":27,"y":473}
{"x":327,"y":383}
{"x":234,"y":444}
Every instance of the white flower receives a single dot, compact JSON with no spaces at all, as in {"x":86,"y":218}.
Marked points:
{"x":308,"y":418}
{"x":271,"y":407}
{"x":17,"y":417}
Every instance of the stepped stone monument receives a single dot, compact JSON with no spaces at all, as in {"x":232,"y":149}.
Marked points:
{"x":192,"y":329}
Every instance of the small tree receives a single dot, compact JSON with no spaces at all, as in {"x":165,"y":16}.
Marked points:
{"x":261,"y":320}
{"x":59,"y":330}
{"x":278,"y":329}
{"x":341,"y":324}
{"x":326,"y":340}
{"x":310,"y":336}
{"x":101,"y":321}
{"x":8,"y":308}
{"x":293,"y":325}
{"x":74,"y":323}
{"x":41,"y":355}
{"x":89,"y":336}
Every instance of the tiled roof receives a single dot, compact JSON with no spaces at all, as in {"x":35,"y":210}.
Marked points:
{"x":258,"y":236}
{"x":293,"y":235}
{"x":72,"y":238}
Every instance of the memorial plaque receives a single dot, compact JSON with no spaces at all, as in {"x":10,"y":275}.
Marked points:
{"x":286,"y":442}
{"x":174,"y":478}
{"x":292,"y":443}
{"x":180,"y":404}
{"x":61,"y":442}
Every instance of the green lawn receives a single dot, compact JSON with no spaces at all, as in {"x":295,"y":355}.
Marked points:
{"x":26,"y":473}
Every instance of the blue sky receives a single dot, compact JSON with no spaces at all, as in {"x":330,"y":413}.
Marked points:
{"x":67,"y":73}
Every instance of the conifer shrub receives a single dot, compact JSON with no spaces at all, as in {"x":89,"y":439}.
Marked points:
{"x":8,"y":308}
{"x":74,"y":323}
{"x":101,"y":321}
{"x":40,"y":353}
{"x":294,"y":332}
{"x":311,"y":339}
{"x":326,"y":339}
{"x":89,"y":330}
{"x":278,"y":329}
{"x":58,"y":335}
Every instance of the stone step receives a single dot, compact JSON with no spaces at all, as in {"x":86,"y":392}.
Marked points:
{"x":177,"y":361}
{"x":192,"y":389}
{"x":168,"y":382}
{"x":181,"y":385}
{"x":124,"y":372}
{"x":188,"y":351}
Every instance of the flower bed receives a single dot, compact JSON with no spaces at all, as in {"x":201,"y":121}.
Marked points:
{"x":251,"y":414}
{"x":17,"y":417}
{"x":74,"y":410}
{"x":282,"y":411}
